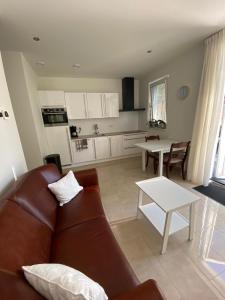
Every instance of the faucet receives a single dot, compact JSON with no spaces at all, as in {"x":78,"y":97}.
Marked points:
{"x":96,"y":129}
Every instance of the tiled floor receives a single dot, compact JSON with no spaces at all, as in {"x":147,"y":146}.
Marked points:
{"x":189,"y":270}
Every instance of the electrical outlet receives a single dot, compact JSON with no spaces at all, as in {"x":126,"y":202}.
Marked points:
{"x":1,"y":113}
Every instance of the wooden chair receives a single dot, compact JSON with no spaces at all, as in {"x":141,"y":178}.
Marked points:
{"x":177,"y":155}
{"x":150,"y":154}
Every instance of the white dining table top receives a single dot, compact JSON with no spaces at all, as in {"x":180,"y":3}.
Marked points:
{"x":156,"y":145}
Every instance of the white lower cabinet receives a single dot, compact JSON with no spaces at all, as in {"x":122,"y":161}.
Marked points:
{"x":116,"y":143}
{"x":102,"y":147}
{"x":106,"y":147}
{"x":83,"y":155}
{"x":58,"y":142}
{"x":129,"y":142}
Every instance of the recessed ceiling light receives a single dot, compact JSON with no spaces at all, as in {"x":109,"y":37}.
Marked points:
{"x":76,"y":66}
{"x":149,"y":51}
{"x":40,"y":63}
{"x":36,"y":38}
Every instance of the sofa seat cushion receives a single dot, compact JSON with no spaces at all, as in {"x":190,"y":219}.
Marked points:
{"x":91,"y":248}
{"x":85,"y":206}
{"x":24,"y":240}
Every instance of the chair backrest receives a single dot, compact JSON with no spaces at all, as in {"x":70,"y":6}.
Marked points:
{"x":152,"y":137}
{"x":179,"y":150}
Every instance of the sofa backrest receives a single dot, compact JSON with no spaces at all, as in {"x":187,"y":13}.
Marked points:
{"x":32,"y":194}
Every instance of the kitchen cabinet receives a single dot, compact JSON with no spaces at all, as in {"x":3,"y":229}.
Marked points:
{"x":51,"y":98}
{"x":110,"y":105}
{"x":116,"y":144}
{"x":129,"y":142}
{"x":58,"y":141}
{"x":76,"y":105}
{"x":83,"y":155}
{"x":102,"y":147}
{"x":94,"y":105}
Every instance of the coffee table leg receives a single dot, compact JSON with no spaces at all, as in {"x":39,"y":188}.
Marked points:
{"x":191,"y":221}
{"x":140,"y":199}
{"x":160,"y":163}
{"x":166,"y":232}
{"x":143,"y":160}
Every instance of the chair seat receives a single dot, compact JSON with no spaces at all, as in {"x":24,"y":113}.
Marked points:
{"x":174,"y":160}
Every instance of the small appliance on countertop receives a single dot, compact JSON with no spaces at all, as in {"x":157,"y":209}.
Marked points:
{"x":74,"y":131}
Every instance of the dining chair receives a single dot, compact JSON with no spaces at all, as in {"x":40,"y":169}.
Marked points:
{"x":177,"y":155}
{"x":151,"y":154}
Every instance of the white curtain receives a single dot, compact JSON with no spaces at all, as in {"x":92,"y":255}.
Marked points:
{"x":158,"y":95}
{"x":209,"y":110}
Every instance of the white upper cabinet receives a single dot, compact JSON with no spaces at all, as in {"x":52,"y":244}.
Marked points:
{"x":110,"y":105}
{"x":76,"y":105}
{"x":102,"y":147}
{"x":94,"y":105}
{"x":83,"y":105}
{"x":51,"y":98}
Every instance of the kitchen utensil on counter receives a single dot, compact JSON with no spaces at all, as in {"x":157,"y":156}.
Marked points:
{"x":74,"y":131}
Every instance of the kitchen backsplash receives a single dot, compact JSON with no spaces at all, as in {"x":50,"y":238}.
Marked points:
{"x":126,"y":121}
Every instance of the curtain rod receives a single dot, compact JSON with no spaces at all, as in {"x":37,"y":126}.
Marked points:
{"x":160,"y":78}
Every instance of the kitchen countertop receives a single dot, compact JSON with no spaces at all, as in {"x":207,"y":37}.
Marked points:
{"x":108,"y":134}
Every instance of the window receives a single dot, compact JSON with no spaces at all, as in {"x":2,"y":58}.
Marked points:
{"x":157,"y":102}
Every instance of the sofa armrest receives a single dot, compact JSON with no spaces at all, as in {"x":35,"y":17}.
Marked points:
{"x":87,"y":177}
{"x":145,"y":291}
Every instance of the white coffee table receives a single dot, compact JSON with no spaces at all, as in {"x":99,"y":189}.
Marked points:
{"x":167,"y":198}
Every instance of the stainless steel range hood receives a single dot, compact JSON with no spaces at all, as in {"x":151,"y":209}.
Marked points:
{"x":128,"y":95}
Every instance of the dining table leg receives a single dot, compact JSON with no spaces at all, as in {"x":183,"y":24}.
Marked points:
{"x":160,"y":163}
{"x":143,"y":160}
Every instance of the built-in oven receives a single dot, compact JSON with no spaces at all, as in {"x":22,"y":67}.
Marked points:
{"x":54,"y":116}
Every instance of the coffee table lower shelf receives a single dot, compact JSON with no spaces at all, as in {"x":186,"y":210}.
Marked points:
{"x":157,"y":217}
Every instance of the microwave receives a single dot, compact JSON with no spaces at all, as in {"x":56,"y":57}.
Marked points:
{"x":54,"y":116}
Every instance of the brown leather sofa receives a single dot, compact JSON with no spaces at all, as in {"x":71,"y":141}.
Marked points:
{"x":35,"y":229}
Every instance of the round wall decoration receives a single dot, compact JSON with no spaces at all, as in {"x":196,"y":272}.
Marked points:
{"x":183,"y":92}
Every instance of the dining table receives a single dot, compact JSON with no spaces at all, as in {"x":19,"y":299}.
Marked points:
{"x":162,"y":146}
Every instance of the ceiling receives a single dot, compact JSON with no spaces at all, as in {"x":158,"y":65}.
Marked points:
{"x":107,"y":38}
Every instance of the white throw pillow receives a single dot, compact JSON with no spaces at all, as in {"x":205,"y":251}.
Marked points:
{"x":59,"y":282}
{"x":66,"y":188}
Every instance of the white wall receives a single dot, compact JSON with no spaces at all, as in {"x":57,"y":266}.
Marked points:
{"x":21,"y":82}
{"x":11,"y":153}
{"x":126,"y":121}
{"x":32,"y":88}
{"x":183,"y":70}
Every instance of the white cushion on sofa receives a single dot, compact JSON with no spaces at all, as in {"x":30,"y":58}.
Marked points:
{"x":60,"y":282}
{"x":66,"y":188}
